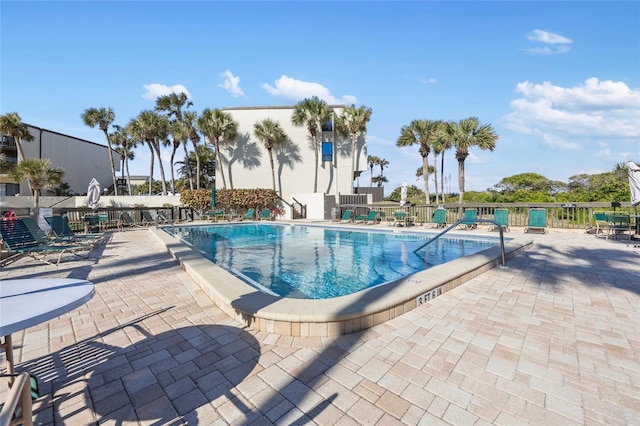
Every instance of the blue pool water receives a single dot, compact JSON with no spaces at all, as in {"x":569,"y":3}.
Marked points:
{"x":312,"y":262}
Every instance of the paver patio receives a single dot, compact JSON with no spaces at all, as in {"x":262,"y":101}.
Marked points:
{"x":553,"y":339}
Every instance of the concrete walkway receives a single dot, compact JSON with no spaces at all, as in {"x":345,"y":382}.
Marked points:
{"x":554,"y":339}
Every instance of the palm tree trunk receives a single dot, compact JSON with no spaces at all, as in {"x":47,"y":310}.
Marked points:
{"x":353,"y":157}
{"x":442,"y":174}
{"x":173,"y":177}
{"x":435,"y":174}
{"x":315,"y":179}
{"x":113,"y":166}
{"x":425,"y":175}
{"x":371,"y":181}
{"x":273,"y":171}
{"x":186,"y":160}
{"x":151,"y":168}
{"x":126,"y":163}
{"x":156,"y":146}
{"x":36,"y":205}
{"x":20,"y":151}
{"x":461,"y":180}
{"x":195,"y":151}
{"x":219,"y":164}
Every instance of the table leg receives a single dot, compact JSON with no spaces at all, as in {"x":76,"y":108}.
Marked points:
{"x":8,"y":350}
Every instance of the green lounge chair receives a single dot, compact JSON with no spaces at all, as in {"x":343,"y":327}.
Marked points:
{"x":20,"y":242}
{"x":216,"y":215}
{"x":38,"y":234}
{"x":439,"y":218}
{"x":469,"y":219}
{"x":265,"y":214}
{"x":126,"y":221}
{"x":600,"y":218}
{"x":63,"y":231}
{"x":370,"y":217}
{"x":617,"y":223}
{"x":250,"y":215}
{"x":347,"y":216}
{"x":502,"y":217}
{"x":537,"y":221}
{"x":147,"y":219}
{"x":400,"y":218}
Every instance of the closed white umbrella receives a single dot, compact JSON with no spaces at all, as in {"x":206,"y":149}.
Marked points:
{"x":93,"y":194}
{"x":403,"y":194}
{"x":634,"y":182}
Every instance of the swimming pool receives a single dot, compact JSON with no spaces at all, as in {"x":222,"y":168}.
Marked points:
{"x":311,"y":262}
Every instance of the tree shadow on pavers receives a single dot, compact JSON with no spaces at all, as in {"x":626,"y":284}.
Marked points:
{"x":166,"y":377}
{"x":616,"y":264}
{"x":161,"y":379}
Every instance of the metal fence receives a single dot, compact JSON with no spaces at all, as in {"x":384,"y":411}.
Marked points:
{"x":559,"y":215}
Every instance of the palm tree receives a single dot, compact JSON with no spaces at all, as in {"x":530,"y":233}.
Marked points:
{"x":102,"y":117}
{"x":312,"y":112}
{"x":272,"y":135}
{"x":153,"y":129}
{"x":352,"y":123}
{"x":181,"y":125}
{"x":420,"y":132}
{"x":382,"y":163}
{"x":438,"y":147}
{"x":11,"y":125}
{"x":372,"y":160}
{"x":469,"y":132}
{"x":206,"y":159}
{"x":39,"y":175}
{"x":445,"y":140}
{"x":220,"y":128}
{"x":380,"y":180}
{"x":124,"y":144}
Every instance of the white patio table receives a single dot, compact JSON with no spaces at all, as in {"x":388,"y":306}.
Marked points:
{"x":28,"y":302}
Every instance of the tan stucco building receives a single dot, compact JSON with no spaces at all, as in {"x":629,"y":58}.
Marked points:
{"x":246,"y":162}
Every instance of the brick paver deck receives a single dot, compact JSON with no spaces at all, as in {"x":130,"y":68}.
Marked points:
{"x":554,"y":339}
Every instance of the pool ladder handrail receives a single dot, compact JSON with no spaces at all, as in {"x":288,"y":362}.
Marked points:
{"x":458,"y":222}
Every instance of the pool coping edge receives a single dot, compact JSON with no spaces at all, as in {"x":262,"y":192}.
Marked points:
{"x":329,"y":317}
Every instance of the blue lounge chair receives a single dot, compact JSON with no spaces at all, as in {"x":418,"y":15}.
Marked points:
{"x":537,"y":221}
{"x":469,"y":219}
{"x":20,"y":242}
{"x":439,"y":218}
{"x":502,"y":217}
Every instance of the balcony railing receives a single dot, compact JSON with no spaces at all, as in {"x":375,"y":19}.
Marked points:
{"x":7,"y":142}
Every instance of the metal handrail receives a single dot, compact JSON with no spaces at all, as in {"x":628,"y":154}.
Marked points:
{"x":458,"y":222}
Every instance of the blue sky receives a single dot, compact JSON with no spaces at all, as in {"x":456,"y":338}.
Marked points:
{"x":559,"y":81}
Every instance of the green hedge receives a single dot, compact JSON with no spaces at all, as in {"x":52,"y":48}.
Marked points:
{"x":232,"y":199}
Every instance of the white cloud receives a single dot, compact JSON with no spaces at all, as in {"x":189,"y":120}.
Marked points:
{"x":297,"y":90}
{"x":154,"y":90}
{"x":430,"y":80}
{"x":596,"y":109}
{"x":555,"y":141}
{"x":554,"y":43}
{"x":231,"y":84}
